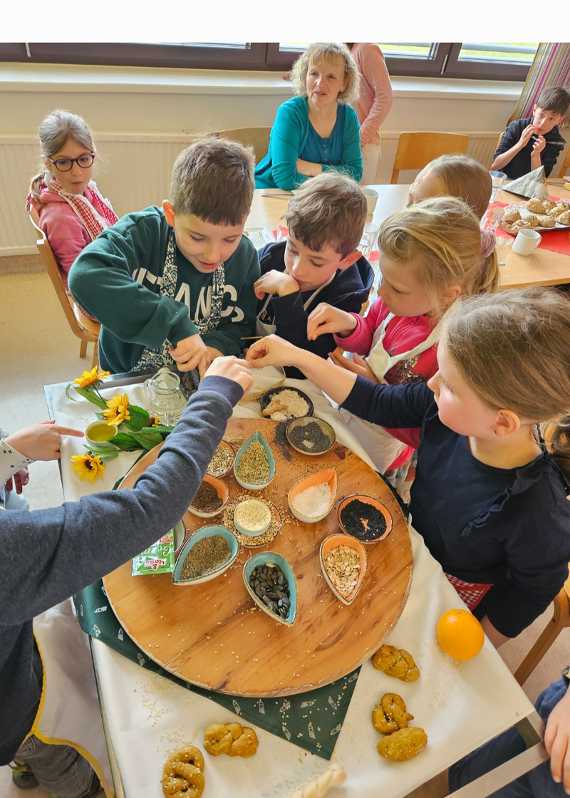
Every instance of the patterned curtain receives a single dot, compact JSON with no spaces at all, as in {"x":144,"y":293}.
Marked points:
{"x":551,"y":67}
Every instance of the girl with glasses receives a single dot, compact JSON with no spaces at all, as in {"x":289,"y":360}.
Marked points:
{"x":71,"y":210}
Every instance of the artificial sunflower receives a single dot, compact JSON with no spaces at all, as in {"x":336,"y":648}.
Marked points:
{"x":89,"y":378}
{"x":88,"y":466}
{"x":117,"y":409}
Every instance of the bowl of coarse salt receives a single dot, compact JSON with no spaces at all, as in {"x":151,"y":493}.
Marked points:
{"x":252,"y":517}
{"x":312,"y":498}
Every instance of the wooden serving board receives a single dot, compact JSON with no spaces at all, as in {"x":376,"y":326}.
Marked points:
{"x":214,"y":636}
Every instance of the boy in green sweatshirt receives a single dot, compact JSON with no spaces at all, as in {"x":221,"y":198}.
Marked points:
{"x":174,"y":285}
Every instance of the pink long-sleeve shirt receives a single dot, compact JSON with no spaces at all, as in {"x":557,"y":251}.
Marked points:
{"x":375,"y":97}
{"x":403,"y":333}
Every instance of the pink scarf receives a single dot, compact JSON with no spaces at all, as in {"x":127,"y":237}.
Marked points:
{"x":94,"y":211}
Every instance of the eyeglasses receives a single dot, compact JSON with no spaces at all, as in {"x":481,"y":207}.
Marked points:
{"x":66,"y":164}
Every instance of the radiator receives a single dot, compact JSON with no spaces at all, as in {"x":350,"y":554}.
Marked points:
{"x":133,"y":170}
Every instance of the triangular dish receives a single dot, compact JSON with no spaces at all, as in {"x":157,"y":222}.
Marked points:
{"x":326,"y":475}
{"x":200,"y":534}
{"x":257,"y":436}
{"x":271,"y":558}
{"x":332,"y":542}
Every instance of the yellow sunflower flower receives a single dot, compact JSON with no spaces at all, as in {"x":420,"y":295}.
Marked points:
{"x":90,"y":377}
{"x":117,"y":409}
{"x":88,"y":466}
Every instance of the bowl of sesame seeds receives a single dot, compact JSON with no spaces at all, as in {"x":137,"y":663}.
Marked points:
{"x":222,"y":460}
{"x":254,"y":464}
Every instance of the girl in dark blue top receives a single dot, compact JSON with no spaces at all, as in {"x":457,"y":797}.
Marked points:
{"x":317,"y":131}
{"x":490,"y":497}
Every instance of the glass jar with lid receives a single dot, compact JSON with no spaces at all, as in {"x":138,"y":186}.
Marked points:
{"x":165,"y":396}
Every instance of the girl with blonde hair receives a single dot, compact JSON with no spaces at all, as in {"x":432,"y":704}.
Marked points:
{"x":430,"y":254}
{"x":71,"y":210}
{"x":316,"y":131}
{"x":454,"y":176}
{"x":490,"y":495}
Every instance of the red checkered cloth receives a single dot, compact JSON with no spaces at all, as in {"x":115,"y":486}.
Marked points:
{"x":472,"y":593}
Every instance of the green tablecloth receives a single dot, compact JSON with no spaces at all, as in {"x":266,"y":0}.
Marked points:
{"x":310,"y":720}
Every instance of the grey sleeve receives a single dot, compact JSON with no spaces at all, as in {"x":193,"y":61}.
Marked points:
{"x":47,"y":555}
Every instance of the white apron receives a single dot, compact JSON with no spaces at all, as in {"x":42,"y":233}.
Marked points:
{"x":381,"y":447}
{"x":267,"y":327}
{"x":69,"y":712}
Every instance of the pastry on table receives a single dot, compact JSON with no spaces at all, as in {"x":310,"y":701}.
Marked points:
{"x":546,"y":221}
{"x":403,"y":744}
{"x":390,"y":714}
{"x":536,"y":205}
{"x":511,"y":215}
{"x":320,"y":785}
{"x":182,"y":774}
{"x":564,"y":217}
{"x":396,"y":662}
{"x":232,"y":739}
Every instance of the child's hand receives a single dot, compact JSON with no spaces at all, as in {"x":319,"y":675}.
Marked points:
{"x":233,"y":369}
{"x":538,"y":145}
{"x":357,"y":365}
{"x":327,"y":319}
{"x":275,"y":283}
{"x":272,"y":351}
{"x":211,"y":354}
{"x":557,"y":741}
{"x":188,"y":352}
{"x":41,"y":441}
{"x":525,"y":136}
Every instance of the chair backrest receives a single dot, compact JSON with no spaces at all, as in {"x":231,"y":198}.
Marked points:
{"x":256,"y":137}
{"x":85,"y":328}
{"x":415,"y":150}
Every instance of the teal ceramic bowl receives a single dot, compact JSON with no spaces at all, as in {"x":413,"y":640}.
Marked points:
{"x":257,"y":436}
{"x":200,"y":534}
{"x":271,"y":558}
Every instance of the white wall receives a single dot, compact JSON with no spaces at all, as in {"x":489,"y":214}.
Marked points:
{"x":142,"y":117}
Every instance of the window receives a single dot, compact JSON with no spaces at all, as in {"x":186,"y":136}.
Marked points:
{"x":477,"y":60}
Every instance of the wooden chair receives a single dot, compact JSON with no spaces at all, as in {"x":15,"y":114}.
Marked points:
{"x":82,"y":325}
{"x":256,"y":137}
{"x":560,"y":620}
{"x":415,"y":150}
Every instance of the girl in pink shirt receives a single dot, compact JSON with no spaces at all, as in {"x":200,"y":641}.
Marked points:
{"x":373,"y":103}
{"x":70,"y":208}
{"x":430,"y":254}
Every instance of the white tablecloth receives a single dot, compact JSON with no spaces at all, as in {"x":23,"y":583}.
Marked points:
{"x":147,"y":716}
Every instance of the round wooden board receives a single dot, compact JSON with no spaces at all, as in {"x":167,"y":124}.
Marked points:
{"x":213,"y":635}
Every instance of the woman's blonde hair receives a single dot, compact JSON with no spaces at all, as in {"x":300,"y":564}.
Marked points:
{"x":326,"y":52}
{"x":53,"y":132}
{"x":442,"y":235}
{"x":513,"y":348}
{"x":462,"y":177}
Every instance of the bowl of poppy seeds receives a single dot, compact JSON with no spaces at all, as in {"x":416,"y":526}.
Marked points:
{"x":310,"y":435}
{"x":364,"y":517}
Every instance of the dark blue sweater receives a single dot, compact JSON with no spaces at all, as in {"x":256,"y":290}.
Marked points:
{"x":505,"y":526}
{"x":348,"y":291}
{"x":48,"y":555}
{"x":520,"y":164}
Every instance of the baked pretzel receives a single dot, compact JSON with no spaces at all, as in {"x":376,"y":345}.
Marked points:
{"x":182,"y":775}
{"x":230,"y":738}
{"x":396,"y":662}
{"x":390,"y":714}
{"x":404,"y":744}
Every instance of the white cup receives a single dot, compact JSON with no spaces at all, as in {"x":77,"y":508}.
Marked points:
{"x":526,"y":241}
{"x":371,"y":200}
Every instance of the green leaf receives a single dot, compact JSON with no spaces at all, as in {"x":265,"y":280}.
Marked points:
{"x":148,"y":438}
{"x":125,"y":442}
{"x":105,"y":451}
{"x":139,"y":417}
{"x":163,"y":429}
{"x":91,"y":396}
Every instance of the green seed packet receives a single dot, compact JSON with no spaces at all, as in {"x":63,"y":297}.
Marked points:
{"x":157,"y":559}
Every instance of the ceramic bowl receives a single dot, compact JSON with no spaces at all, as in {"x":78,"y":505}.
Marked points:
{"x":244,"y":530}
{"x":266,"y":397}
{"x":200,"y":534}
{"x":332,"y":542}
{"x":328,"y":476}
{"x":98,"y":434}
{"x":367,"y":500}
{"x":304,"y":421}
{"x":223,"y":492}
{"x":257,"y":436}
{"x":230,"y":449}
{"x":271,"y":558}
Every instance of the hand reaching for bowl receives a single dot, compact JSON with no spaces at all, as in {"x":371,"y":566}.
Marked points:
{"x":273,"y":351}
{"x":233,"y":368}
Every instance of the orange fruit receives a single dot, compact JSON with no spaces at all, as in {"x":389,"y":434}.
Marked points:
{"x":459,"y":634}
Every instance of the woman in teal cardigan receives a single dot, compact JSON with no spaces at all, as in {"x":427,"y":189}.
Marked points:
{"x":317,"y":131}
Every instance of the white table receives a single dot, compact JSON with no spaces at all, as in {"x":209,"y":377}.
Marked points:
{"x":147,"y":716}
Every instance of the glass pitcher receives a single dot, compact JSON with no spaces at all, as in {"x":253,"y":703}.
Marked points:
{"x":165,"y":396}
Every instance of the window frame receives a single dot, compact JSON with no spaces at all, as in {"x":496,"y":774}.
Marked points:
{"x":254,"y":56}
